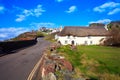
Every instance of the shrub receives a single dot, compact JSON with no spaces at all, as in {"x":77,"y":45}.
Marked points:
{"x":40,"y":34}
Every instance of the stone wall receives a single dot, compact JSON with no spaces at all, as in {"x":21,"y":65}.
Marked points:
{"x":14,"y":45}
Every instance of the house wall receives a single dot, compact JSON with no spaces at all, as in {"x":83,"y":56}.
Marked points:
{"x":88,"y":40}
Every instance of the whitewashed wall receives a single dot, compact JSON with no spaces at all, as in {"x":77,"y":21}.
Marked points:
{"x":89,"y":40}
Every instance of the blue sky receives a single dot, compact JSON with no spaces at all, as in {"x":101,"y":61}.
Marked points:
{"x":18,"y":16}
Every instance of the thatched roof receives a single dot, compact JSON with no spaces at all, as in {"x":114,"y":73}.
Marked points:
{"x":83,"y":31}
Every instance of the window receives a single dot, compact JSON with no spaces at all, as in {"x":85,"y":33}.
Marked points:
{"x":91,"y":42}
{"x":86,"y":43}
{"x":89,"y":37}
{"x":66,"y":42}
{"x":68,"y":36}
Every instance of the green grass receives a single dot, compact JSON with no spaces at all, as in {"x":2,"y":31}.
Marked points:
{"x":94,"y":61}
{"x":50,"y":37}
{"x":108,"y":56}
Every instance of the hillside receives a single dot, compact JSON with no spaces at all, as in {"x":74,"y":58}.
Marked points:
{"x":28,"y":36}
{"x":25,"y":36}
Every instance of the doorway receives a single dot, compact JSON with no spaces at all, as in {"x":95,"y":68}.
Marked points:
{"x":73,"y":42}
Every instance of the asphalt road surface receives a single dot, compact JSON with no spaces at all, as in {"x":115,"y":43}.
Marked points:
{"x":17,"y":66}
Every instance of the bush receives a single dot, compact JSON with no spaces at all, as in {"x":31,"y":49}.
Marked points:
{"x":40,"y":34}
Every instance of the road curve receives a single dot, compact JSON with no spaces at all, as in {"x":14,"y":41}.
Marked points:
{"x":18,"y":66}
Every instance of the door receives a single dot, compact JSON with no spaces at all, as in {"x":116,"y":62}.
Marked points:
{"x":72,"y":42}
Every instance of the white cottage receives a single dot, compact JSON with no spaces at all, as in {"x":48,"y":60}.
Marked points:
{"x":82,"y":35}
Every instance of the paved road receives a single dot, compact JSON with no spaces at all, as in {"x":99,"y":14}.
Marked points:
{"x":18,"y":66}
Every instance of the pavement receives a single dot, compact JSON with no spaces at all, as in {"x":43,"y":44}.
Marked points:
{"x":18,"y":66}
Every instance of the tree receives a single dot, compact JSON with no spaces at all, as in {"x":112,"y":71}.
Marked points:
{"x":97,"y":25}
{"x":114,"y":32}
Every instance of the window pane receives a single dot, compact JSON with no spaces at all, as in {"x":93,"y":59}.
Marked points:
{"x":65,"y":41}
{"x":90,"y":42}
{"x":85,"y":42}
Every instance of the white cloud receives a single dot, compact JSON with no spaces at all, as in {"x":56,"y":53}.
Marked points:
{"x":108,"y":5}
{"x":38,"y":11}
{"x":114,"y":11}
{"x":2,"y":9}
{"x":71,"y":9}
{"x":7,"y":33}
{"x":44,"y":24}
{"x":59,"y":0}
{"x":98,"y":9}
{"x":3,"y":35}
{"x":27,"y":12}
{"x":20,"y":18}
{"x":101,"y":21}
{"x":32,"y":12}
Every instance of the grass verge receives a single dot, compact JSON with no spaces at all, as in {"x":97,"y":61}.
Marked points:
{"x":95,"y":62}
